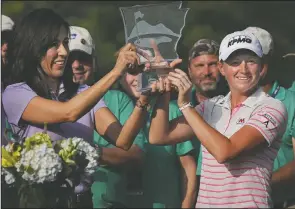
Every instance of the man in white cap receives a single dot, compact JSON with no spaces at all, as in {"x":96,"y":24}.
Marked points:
{"x":6,"y":33}
{"x":82,"y":55}
{"x":110,"y":180}
{"x":284,"y":164}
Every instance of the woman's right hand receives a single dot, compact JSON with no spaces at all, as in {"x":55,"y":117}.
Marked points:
{"x":181,"y":80}
{"x":127,"y":59}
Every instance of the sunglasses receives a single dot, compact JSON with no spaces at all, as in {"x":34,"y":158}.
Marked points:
{"x":81,"y":56}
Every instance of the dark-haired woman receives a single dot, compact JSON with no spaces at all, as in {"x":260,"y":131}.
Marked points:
{"x":41,"y":91}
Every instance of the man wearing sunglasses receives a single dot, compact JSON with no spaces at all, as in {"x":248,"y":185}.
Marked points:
{"x":82,"y":56}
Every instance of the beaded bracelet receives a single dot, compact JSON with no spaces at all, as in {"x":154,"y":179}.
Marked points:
{"x":185,"y":105}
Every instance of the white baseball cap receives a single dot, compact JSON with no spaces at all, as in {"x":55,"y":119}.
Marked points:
{"x":239,"y":40}
{"x":7,"y":23}
{"x":264,"y":38}
{"x":80,"y":40}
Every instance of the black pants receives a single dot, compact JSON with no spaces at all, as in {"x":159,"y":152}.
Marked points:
{"x":84,"y":200}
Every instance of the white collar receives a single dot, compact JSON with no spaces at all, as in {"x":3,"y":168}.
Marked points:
{"x":251,"y":101}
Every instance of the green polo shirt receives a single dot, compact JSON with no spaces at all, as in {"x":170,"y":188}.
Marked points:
{"x":161,"y":170}
{"x":285,"y":153}
{"x":292,"y":88}
{"x":195,"y":141}
{"x":112,"y":181}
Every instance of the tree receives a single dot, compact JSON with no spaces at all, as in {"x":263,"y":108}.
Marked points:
{"x":205,"y":19}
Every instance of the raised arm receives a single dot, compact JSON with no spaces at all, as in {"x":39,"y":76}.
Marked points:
{"x":108,"y":126}
{"x":163,"y":132}
{"x":252,"y":134}
{"x":39,"y":110}
{"x":122,"y":107}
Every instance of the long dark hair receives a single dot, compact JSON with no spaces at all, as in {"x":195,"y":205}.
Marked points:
{"x":34,"y":35}
{"x":6,"y":37}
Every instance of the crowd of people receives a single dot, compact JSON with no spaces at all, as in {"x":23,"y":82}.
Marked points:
{"x":228,"y":140}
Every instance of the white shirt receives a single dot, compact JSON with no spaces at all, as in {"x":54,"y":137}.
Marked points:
{"x":245,"y":180}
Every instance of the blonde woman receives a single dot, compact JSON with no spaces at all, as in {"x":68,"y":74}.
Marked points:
{"x":240,"y":133}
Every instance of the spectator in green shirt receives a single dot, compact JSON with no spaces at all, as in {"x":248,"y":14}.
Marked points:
{"x":110,"y":180}
{"x":283,"y":178}
{"x":110,"y":184}
{"x":168,"y":173}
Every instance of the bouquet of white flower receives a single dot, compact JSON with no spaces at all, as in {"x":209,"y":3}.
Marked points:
{"x":72,"y":147}
{"x":39,"y":164}
{"x":40,"y":170}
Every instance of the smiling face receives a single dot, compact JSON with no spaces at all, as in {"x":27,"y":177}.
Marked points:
{"x":82,"y":67}
{"x":242,"y":70}
{"x":204,"y":72}
{"x":53,"y":62}
{"x":129,"y":84}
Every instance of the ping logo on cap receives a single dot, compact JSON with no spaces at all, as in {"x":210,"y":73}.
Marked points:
{"x":73,"y":35}
{"x":239,"y":39}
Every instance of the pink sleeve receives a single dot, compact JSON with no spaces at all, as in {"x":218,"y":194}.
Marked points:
{"x":270,"y":120}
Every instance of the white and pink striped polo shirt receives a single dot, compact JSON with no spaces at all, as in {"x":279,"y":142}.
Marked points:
{"x":243,"y":182}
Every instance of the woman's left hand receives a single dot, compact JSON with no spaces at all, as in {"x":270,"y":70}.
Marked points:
{"x":180,"y":79}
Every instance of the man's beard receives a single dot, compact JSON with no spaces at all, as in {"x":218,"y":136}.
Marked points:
{"x":208,"y":87}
